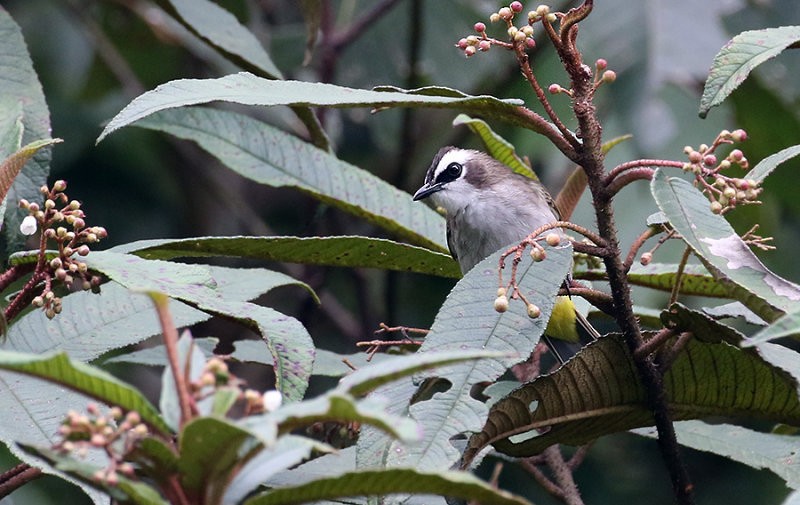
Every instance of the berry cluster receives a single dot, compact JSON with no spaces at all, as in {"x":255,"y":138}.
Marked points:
{"x":723,"y":191}
{"x":115,"y":434}
{"x":216,"y":376}
{"x":537,"y":254}
{"x":516,"y":34}
{"x":65,"y":266}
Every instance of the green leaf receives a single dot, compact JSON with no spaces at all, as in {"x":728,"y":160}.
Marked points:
{"x":19,"y":83}
{"x":467,"y":320}
{"x":661,"y":276}
{"x":383,"y":482}
{"x":287,"y":340}
{"x":777,"y":453}
{"x":90,"y":381}
{"x":498,"y":147}
{"x":350,"y":251}
{"x":598,"y":392}
{"x":126,"y":490}
{"x":223,"y":31}
{"x":273,"y":157}
{"x":739,"y":57}
{"x":722,"y":251}
{"x":770,"y":163}
{"x":211,"y":450}
{"x":12,"y":166}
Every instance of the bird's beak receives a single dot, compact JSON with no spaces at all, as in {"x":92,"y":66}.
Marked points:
{"x":427,"y":190}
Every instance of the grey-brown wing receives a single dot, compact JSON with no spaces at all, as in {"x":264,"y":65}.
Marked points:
{"x":450,"y":243}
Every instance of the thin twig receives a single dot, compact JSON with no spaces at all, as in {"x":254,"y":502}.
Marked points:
{"x":16,"y":477}
{"x":170,"y":333}
{"x":676,"y":288}
{"x":637,"y":244}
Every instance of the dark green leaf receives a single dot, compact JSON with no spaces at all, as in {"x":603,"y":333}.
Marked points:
{"x":92,"y":382}
{"x":383,"y":482}
{"x":349,"y":251}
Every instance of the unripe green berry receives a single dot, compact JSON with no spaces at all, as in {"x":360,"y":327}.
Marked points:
{"x":716,"y":207}
{"x":501,"y":291}
{"x":552,"y":239}
{"x":534,"y":311}
{"x":494,"y":18}
{"x":729,"y":192}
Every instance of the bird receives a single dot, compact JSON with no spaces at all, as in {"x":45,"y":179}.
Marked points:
{"x":488,"y":206}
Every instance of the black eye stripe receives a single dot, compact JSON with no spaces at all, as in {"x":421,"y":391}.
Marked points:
{"x":451,"y":173}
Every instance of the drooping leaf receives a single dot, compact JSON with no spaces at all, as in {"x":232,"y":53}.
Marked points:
{"x":273,"y":157}
{"x":467,"y":320}
{"x":247,"y":89}
{"x":211,"y":450}
{"x":223,"y":31}
{"x":352,"y":251}
{"x":390,"y":481}
{"x":722,"y":251}
{"x":496,"y":146}
{"x":12,"y":166}
{"x":85,"y":379}
{"x":770,"y":163}
{"x":739,"y":57}
{"x":19,"y":82}
{"x":287,"y":340}
{"x":777,"y":453}
{"x":598,"y":392}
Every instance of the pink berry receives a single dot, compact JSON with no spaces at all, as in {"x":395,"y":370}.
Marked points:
{"x":462,"y":44}
{"x":709,"y":160}
{"x":484,"y":45}
{"x":530,"y":43}
{"x":737,"y":155}
{"x":554,"y":89}
{"x":469,"y":51}
{"x":480,"y":27}
{"x":516,"y":6}
{"x":739,"y":135}
{"x":601,"y":64}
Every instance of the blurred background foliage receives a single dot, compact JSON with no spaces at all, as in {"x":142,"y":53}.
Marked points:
{"x":94,"y":56}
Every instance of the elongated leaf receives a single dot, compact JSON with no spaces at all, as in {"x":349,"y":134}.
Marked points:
{"x":90,"y":381}
{"x":467,"y":320}
{"x":247,"y":89}
{"x":287,"y":340}
{"x":723,"y":252}
{"x":223,"y":31}
{"x":383,"y":482}
{"x":350,"y":251}
{"x":270,"y":156}
{"x":695,"y":280}
{"x":739,"y":57}
{"x":19,"y":83}
{"x":598,"y":391}
{"x":777,"y":453}
{"x":498,"y":147}
{"x":770,"y":163}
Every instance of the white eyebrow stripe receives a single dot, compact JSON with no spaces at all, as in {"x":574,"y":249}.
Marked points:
{"x":460,"y":156}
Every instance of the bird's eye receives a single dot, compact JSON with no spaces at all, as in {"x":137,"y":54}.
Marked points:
{"x":452,"y":171}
